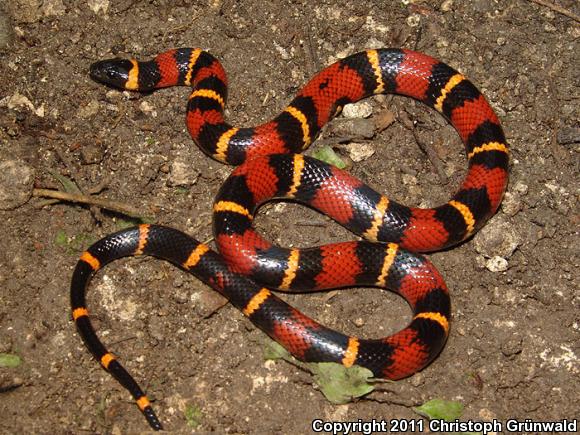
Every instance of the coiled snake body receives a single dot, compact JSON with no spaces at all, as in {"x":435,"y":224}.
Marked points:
{"x":271,"y":166}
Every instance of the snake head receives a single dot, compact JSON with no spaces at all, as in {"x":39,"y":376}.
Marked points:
{"x":112,"y":72}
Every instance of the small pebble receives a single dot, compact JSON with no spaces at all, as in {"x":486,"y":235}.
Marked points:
{"x":113,"y":96}
{"x":91,"y":154}
{"x":497,"y":239}
{"x":568,"y":135}
{"x":354,"y":127}
{"x":417,"y":379}
{"x":180,"y":295}
{"x":511,"y":204}
{"x":413,"y":20}
{"x":18,"y":101}
{"x":487,"y":414}
{"x":147,"y":108}
{"x":98,"y":5}
{"x":512,"y":347}
{"x":53,"y":8}
{"x":446,"y":5}
{"x":182,"y":173}
{"x":362,"y":109}
{"x":497,"y":264}
{"x":16,"y":182}
{"x":409,"y":180}
{"x":359,"y":151}
{"x":521,"y":188}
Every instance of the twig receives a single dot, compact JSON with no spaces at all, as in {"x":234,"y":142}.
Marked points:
{"x":433,"y":157}
{"x":311,"y":224}
{"x":426,"y":148}
{"x":122,"y":340}
{"x":558,"y":9}
{"x":42,"y":204}
{"x":339,"y":139}
{"x":91,"y":200}
{"x":312,"y":61}
{"x":75,"y":178}
{"x":69,"y":166}
{"x":99,"y":187}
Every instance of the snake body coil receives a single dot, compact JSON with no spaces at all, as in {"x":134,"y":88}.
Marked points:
{"x":271,"y":166}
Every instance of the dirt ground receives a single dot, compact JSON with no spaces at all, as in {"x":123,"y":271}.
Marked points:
{"x":513,"y":348}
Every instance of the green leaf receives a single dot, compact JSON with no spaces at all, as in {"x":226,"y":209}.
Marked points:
{"x":123,"y":224}
{"x":10,"y":361}
{"x":181,"y":190}
{"x":327,"y":155}
{"x":68,"y":185}
{"x":193,"y":415}
{"x":447,"y":410}
{"x":341,"y":384}
{"x":61,"y":239}
{"x":80,"y":242}
{"x":274,"y":351}
{"x":72,"y":245}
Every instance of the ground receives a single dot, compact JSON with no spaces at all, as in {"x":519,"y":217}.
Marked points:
{"x":513,"y":348}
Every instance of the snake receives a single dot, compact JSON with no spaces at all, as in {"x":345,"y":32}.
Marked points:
{"x":270,"y":164}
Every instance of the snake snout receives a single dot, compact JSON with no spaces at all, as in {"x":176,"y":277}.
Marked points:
{"x":112,"y":72}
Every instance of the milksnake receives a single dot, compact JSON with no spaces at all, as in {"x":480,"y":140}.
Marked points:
{"x":270,"y":165}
